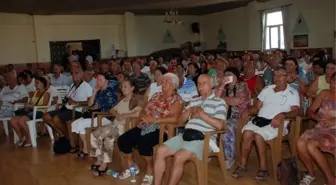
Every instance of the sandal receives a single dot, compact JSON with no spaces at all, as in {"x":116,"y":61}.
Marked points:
{"x":147,"y":180}
{"x":98,"y":172}
{"x":306,"y":180}
{"x":74,"y":150}
{"x":262,"y":175}
{"x":127,"y":173}
{"x":21,"y":142}
{"x":239,"y":171}
{"x":81,"y":154}
{"x":93,"y":167}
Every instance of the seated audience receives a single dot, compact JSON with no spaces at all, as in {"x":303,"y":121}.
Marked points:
{"x":296,"y":78}
{"x":103,"y":138}
{"x":203,"y":114}
{"x":322,"y":82}
{"x":157,"y":85}
{"x":103,"y":98}
{"x":141,"y":80}
{"x":221,"y":65}
{"x":315,"y":71}
{"x":40,"y":72}
{"x":29,"y":81}
{"x":255,"y":83}
{"x":322,"y":138}
{"x":173,"y":65}
{"x":192,"y":72}
{"x":238,"y":63}
{"x":88,"y":77}
{"x":161,"y":63}
{"x":204,"y":67}
{"x":11,"y":94}
{"x":274,"y":103}
{"x":187,"y":89}
{"x":163,"y":107}
{"x":121,"y":77}
{"x":237,"y":95}
{"x":52,"y":92}
{"x":127,"y":67}
{"x":273,"y":62}
{"x":78,"y":94}
{"x":58,"y":78}
{"x":19,"y":121}
{"x":152,"y":67}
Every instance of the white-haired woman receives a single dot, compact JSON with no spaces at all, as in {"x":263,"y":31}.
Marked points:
{"x":163,"y":107}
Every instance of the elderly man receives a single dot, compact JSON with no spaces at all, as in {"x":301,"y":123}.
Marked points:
{"x":58,"y":78}
{"x":187,"y":89}
{"x":11,"y":94}
{"x":274,"y":103}
{"x":206,"y":113}
{"x":88,"y":77}
{"x":152,"y":67}
{"x":142,"y":81}
{"x":79,"y":93}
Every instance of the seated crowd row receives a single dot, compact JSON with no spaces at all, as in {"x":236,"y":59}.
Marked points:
{"x":209,"y":95}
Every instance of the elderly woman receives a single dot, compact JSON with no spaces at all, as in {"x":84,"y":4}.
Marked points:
{"x":163,"y":107}
{"x":322,"y":137}
{"x":221,"y":65}
{"x":121,"y":77}
{"x":157,"y":85}
{"x":102,"y":139}
{"x":237,"y":95}
{"x":19,"y":121}
{"x":102,"y":99}
{"x":323,"y":81}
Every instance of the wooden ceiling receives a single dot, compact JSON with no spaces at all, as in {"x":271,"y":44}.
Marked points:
{"x":141,"y":7}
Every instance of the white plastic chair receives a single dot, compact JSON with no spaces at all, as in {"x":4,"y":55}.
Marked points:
{"x":62,"y":92}
{"x":6,"y":119}
{"x":32,"y":124}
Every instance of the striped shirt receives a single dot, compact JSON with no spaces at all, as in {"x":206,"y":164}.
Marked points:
{"x":213,"y":106}
{"x":142,"y":82}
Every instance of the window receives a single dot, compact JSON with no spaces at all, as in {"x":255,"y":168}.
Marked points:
{"x":273,"y":31}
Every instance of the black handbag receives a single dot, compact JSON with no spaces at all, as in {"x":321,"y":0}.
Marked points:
{"x":192,"y":135}
{"x":261,"y":122}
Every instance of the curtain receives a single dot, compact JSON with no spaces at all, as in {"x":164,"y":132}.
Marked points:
{"x":262,"y":28}
{"x":286,"y":27}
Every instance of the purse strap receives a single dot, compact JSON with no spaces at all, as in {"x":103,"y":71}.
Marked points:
{"x":39,"y":98}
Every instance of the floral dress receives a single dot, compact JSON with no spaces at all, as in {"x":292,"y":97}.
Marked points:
{"x":158,"y":109}
{"x":241,"y":91}
{"x":325,"y":136}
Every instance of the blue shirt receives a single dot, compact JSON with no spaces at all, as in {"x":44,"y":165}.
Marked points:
{"x":106,"y":99}
{"x":93,"y":83}
{"x":188,"y":90}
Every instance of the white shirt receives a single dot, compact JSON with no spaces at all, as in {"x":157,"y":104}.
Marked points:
{"x":145,"y":69}
{"x":277,"y":102}
{"x":82,"y":93}
{"x":31,"y":87}
{"x":52,"y":91}
{"x":153,"y":88}
{"x":61,"y":80}
{"x":17,"y":93}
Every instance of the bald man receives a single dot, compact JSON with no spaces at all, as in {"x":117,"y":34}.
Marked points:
{"x":203,"y":114}
{"x":79,"y":93}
